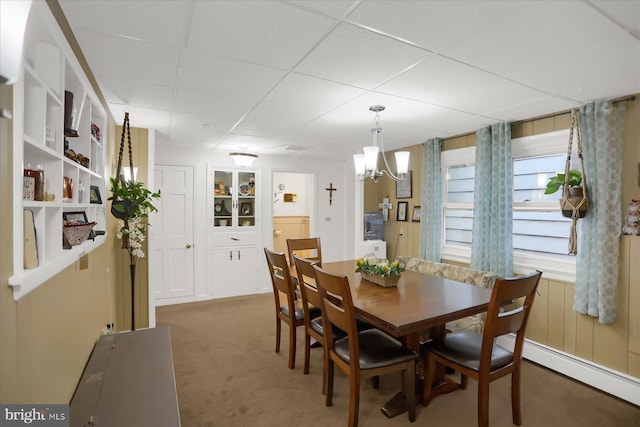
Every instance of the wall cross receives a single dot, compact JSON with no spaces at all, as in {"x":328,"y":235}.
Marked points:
{"x":331,"y":190}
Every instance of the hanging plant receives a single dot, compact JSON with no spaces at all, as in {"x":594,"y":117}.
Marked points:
{"x":574,"y":202}
{"x":135,"y":204}
{"x":131,"y":204}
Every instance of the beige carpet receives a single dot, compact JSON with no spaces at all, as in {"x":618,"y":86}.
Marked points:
{"x":228,"y":374}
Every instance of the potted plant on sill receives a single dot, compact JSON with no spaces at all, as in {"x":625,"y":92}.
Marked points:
{"x":574,"y":195}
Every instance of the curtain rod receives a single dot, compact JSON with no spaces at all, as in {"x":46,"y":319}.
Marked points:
{"x":547,"y":116}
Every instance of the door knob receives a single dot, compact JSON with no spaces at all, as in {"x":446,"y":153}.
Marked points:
{"x":188,"y":246}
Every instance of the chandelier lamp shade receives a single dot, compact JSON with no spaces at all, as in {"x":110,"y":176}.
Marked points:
{"x":243,"y":159}
{"x":366,"y":164}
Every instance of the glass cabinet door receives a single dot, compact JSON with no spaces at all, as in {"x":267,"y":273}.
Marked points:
{"x":246,"y":206}
{"x":234,"y":199}
{"x":223,"y":199}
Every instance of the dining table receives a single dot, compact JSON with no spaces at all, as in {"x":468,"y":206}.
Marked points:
{"x":419,"y":303}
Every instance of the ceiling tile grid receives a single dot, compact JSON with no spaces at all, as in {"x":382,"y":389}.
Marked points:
{"x":298,"y":77}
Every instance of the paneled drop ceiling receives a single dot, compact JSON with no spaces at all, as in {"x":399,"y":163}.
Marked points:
{"x":298,"y":77}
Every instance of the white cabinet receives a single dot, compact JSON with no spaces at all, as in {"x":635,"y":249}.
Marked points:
{"x":233,"y":231}
{"x":54,"y":174}
{"x":233,"y":271}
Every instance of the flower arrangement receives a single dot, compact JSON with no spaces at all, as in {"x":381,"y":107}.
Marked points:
{"x":378,"y":267}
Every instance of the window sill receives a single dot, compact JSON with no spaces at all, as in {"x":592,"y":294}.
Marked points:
{"x":553,"y":269}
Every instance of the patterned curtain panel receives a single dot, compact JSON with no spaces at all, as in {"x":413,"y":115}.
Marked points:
{"x":602,"y":129}
{"x":431,"y":205}
{"x":492,"y":234}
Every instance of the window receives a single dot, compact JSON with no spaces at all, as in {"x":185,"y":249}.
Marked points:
{"x":540,"y":232}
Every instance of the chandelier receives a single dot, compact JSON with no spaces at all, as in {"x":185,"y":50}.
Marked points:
{"x":366,"y":164}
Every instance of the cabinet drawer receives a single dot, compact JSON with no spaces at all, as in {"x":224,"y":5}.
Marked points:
{"x":232,"y":239}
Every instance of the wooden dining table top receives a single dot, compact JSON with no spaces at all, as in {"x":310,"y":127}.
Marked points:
{"x":419,"y":302}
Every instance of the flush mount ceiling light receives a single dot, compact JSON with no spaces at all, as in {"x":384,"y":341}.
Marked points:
{"x":243,"y":159}
{"x":367,"y":163}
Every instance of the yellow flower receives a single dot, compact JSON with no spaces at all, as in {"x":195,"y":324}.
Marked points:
{"x":360,"y":261}
{"x":395,"y":264}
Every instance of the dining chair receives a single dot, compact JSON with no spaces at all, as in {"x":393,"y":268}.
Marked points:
{"x":291,"y":312}
{"x":360,"y":354}
{"x":313,"y":327}
{"x":478,"y":356}
{"x":308,"y":248}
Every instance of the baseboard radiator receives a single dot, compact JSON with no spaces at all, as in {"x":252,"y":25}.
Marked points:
{"x":615,"y":383}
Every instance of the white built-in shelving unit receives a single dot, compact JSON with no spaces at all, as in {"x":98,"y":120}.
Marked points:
{"x":50,"y":69}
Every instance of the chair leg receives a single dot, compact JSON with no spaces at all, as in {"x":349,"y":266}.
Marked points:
{"x":464,"y":381}
{"x":325,"y":369}
{"x":409,"y":386}
{"x":515,"y":396}
{"x":307,"y":351}
{"x":376,"y":381}
{"x":354,"y":399}
{"x":292,"y":346}
{"x":278,"y":332}
{"x":329,"y":397}
{"x":483,"y":402}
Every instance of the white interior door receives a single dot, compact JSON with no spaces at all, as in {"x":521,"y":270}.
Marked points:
{"x":171,"y":265}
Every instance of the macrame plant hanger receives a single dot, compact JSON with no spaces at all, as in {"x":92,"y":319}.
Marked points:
{"x":123,"y":212}
{"x":574,"y":206}
{"x":119,"y":175}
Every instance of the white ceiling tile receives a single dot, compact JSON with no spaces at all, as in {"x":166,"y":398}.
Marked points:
{"x":119,"y":58}
{"x":131,"y":19}
{"x":331,"y":8}
{"x":262,"y":32}
{"x":136,"y":94}
{"x":520,"y":47}
{"x":360,"y":58}
{"x":226,"y":76}
{"x":454,"y":85}
{"x":433,"y":25}
{"x":623,"y":12}
{"x":221,"y":110}
{"x":141,"y":117}
{"x":313,"y":93}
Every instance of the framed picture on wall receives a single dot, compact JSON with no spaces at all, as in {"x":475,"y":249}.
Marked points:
{"x":402,"y":211}
{"x":415,"y":215}
{"x":403,"y":188}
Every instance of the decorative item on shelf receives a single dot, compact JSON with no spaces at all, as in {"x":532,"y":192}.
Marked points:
{"x":94,"y":194}
{"x":76,"y":229}
{"x":70,"y":114}
{"x":380,"y":272}
{"x":632,"y":219}
{"x":220,"y":209}
{"x":95,"y":132}
{"x":575,"y":199}
{"x":67,"y":189}
{"x":75,"y":234}
{"x":35,"y":177}
{"x":366,"y":164}
{"x":131,"y":203}
{"x":252,"y":185}
{"x":244,"y":189}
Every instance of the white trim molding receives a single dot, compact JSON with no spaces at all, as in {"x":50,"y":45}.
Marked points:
{"x":605,"y":379}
